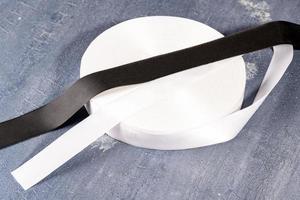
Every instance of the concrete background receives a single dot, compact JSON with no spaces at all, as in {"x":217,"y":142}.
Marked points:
{"x":41,"y":46}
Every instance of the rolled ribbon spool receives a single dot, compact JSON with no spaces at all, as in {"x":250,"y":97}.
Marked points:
{"x":186,"y":100}
{"x":122,"y":112}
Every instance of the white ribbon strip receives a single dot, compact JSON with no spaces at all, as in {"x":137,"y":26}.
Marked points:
{"x":108,"y":118}
{"x":87,"y":131}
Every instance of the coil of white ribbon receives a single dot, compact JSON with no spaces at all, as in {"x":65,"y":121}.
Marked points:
{"x":203,"y":110}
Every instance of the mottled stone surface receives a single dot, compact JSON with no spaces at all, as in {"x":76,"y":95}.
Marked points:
{"x":41,"y":46}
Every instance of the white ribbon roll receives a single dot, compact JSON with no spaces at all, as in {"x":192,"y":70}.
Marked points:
{"x":193,"y":108}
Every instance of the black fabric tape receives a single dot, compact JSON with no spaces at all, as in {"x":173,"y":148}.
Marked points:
{"x":58,"y":111}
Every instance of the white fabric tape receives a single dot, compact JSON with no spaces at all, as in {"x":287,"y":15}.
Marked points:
{"x":181,"y":109}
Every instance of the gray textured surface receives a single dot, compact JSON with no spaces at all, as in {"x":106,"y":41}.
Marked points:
{"x":41,"y":46}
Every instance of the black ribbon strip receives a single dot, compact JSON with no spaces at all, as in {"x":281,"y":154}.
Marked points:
{"x":58,"y":111}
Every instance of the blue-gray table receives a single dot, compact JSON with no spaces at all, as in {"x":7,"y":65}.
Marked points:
{"x":41,"y":46}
